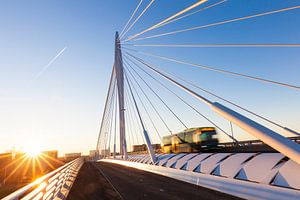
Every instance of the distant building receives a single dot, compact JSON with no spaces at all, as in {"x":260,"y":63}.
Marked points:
{"x":72,"y":156}
{"x":51,"y":154}
{"x":105,"y":152}
{"x":93,"y":153}
{"x":156,"y":147}
{"x":143,"y":147}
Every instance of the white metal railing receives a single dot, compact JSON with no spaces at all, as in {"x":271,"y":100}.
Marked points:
{"x":232,"y":175}
{"x":55,"y":184}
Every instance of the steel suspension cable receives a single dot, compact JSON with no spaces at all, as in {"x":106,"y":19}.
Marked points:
{"x":219,"y":23}
{"x":192,"y":13}
{"x":107,"y":102}
{"x":112,"y":123}
{"x":134,"y":113}
{"x":187,"y":15}
{"x":137,"y":19}
{"x":129,"y":144}
{"x":132,"y":15}
{"x":218,"y":70}
{"x":236,"y":105}
{"x":135,"y":104}
{"x":181,"y":99}
{"x":228,"y":101}
{"x":143,"y":105}
{"x":139,"y":86}
{"x":154,"y":108}
{"x":108,"y":113}
{"x":213,"y":45}
{"x":105,"y":106}
{"x":166,"y":105}
{"x":115,"y":125}
{"x":104,"y":131}
{"x":129,"y":130}
{"x":107,"y":148}
{"x":169,"y":18}
{"x":145,"y":132}
{"x":130,"y":118}
{"x":108,"y":120}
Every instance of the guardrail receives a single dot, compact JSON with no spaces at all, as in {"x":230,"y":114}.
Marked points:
{"x":239,"y":188}
{"x":54,"y":185}
{"x":259,"y":176}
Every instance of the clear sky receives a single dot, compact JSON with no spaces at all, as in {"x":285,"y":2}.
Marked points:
{"x":59,"y":104}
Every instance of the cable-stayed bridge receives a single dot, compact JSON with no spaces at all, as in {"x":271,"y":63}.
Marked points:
{"x":140,"y":112}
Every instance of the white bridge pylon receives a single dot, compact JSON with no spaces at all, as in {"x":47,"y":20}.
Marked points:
{"x":118,"y":65}
{"x":119,"y":72}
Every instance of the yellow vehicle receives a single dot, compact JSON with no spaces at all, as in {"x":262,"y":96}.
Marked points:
{"x":191,"y":140}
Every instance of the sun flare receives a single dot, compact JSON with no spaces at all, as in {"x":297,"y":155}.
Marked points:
{"x":33,"y":150}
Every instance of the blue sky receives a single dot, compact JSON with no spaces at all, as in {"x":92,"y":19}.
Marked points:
{"x":62,"y":108}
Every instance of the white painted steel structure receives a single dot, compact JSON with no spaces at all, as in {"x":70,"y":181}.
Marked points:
{"x":54,"y":185}
{"x":119,"y":69}
{"x":247,"y":175}
{"x":118,"y":65}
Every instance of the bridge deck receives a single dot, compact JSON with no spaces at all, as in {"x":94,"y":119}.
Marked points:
{"x":130,"y":184}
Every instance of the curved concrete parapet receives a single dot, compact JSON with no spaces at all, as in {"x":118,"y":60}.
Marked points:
{"x":246,"y":175}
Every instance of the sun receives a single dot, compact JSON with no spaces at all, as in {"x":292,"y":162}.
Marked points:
{"x":33,"y":150}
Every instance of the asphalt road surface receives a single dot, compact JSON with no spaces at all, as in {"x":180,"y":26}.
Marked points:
{"x":111,"y":181}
